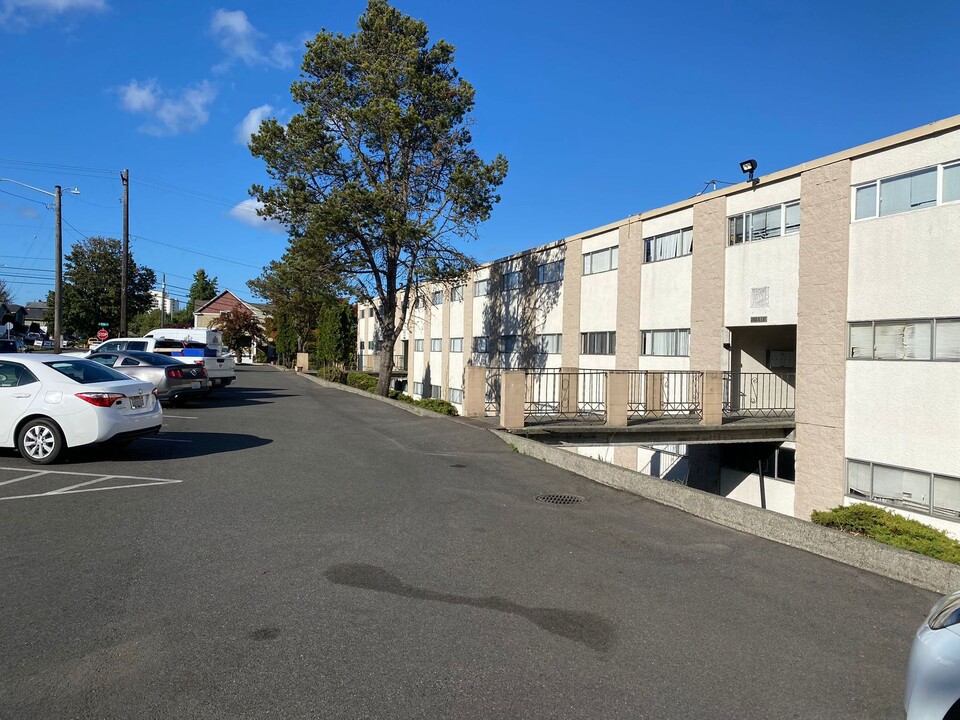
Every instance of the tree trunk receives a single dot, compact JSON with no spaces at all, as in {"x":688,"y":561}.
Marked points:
{"x":386,"y":364}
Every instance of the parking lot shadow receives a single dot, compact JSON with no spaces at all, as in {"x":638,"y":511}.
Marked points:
{"x":239,"y":397}
{"x":171,"y":445}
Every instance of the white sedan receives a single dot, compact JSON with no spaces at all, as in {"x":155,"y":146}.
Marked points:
{"x":933,"y":674}
{"x":53,"y":402}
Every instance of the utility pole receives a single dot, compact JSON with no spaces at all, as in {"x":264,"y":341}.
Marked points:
{"x":125,"y":178}
{"x":163,"y":299}
{"x":58,"y":287}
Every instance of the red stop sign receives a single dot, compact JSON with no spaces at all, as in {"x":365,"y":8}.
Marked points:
{"x":102,"y":334}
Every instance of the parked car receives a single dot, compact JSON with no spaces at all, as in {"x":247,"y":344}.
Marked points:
{"x":176,"y":382}
{"x":50,"y":403}
{"x":220,"y":368}
{"x":12,"y":346}
{"x":933,"y":673}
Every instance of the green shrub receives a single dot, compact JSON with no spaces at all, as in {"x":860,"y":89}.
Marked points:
{"x":331,"y":374}
{"x":260,"y":357}
{"x":402,"y":397}
{"x":362,"y":381}
{"x":891,"y":529}
{"x":438,"y":406}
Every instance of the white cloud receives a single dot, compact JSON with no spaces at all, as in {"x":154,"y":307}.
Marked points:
{"x":28,"y":213}
{"x":242,"y":42}
{"x":251,"y":123}
{"x":170,"y":113}
{"x":246,"y":212}
{"x":20,"y":14}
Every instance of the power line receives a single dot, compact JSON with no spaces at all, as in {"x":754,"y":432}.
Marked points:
{"x":39,"y":202}
{"x":196,"y":252}
{"x":53,"y":167}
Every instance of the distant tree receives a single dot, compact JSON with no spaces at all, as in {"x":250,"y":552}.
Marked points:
{"x":91,"y":287}
{"x":239,"y":327}
{"x":298,"y":286}
{"x":379,"y":165}
{"x":4,"y":291}
{"x":203,"y":288}
{"x":145,"y":322}
{"x":337,"y":334}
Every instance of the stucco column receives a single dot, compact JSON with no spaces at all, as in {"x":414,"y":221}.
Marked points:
{"x":474,"y":391}
{"x":822,"y":337}
{"x":628,"y":296}
{"x":615,"y":402}
{"x":512,"y":391}
{"x":712,"y":398}
{"x":427,"y":370}
{"x":445,"y":345}
{"x":706,"y":308}
{"x":468,"y":320}
{"x":572,"y":272}
{"x":411,"y":350}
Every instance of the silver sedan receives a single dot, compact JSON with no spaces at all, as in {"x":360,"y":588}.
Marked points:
{"x":176,"y":382}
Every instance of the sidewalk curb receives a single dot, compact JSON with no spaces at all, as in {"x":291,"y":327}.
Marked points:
{"x":422,"y":412}
{"x":880,"y":559}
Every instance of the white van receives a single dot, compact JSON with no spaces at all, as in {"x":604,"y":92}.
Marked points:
{"x":210,"y":338}
{"x":200,"y":342}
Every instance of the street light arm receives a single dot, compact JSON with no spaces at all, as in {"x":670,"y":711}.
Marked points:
{"x":17,"y":182}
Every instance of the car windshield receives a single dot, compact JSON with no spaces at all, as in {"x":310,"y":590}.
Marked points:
{"x":85,"y":372}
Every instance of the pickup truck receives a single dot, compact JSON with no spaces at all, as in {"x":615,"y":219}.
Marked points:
{"x":221,"y":369}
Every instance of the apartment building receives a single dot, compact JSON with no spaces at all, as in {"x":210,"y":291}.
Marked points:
{"x":837,"y":280}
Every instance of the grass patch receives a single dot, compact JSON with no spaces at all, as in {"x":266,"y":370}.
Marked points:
{"x":891,"y":529}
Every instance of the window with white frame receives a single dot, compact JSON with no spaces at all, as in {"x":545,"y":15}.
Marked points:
{"x":768,"y":222}
{"x":669,"y":245}
{"x":509,"y":344}
{"x":436,"y":344}
{"x":481,"y":288}
{"x":670,"y":343}
{"x":456,"y":395}
{"x":456,"y":293}
{"x":362,"y":311}
{"x":418,"y":388}
{"x":914,"y":490}
{"x":418,"y":345}
{"x":924,"y":339}
{"x":598,"y":343}
{"x":456,"y":345}
{"x":951,"y":183}
{"x":361,"y":345}
{"x":549,"y":343}
{"x":550,"y":272}
{"x":438,"y":297}
{"x":898,"y":194}
{"x":511,"y":281}
{"x":435,"y":391}
{"x":480,"y":344}
{"x":601,"y":260}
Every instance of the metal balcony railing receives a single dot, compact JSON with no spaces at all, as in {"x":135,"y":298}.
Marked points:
{"x":664,"y":393}
{"x":754,"y":394}
{"x":553,"y":394}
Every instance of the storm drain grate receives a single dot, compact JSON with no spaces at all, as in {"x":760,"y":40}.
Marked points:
{"x":559,"y":499}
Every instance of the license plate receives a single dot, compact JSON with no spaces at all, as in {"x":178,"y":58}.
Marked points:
{"x":196,"y":385}
{"x":137,"y":401}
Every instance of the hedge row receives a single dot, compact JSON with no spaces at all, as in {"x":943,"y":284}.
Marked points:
{"x":368,"y":383}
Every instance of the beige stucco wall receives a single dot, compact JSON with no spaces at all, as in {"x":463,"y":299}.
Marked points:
{"x":769,"y":263}
{"x":572,"y":275}
{"x":707,"y":333}
{"x":822,"y":337}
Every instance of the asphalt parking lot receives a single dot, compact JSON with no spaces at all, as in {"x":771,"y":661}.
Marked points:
{"x":291,"y":551}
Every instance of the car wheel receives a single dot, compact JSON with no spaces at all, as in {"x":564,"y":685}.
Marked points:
{"x":40,"y":441}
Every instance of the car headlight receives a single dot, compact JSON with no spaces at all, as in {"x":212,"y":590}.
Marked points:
{"x":945,"y":613}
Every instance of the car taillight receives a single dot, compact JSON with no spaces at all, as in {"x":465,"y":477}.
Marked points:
{"x":101,"y":399}
{"x":175,"y":373}
{"x":203,"y":372}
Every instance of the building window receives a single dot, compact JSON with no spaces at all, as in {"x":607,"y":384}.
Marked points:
{"x":914,"y":490}
{"x":670,"y":343}
{"x":481,"y":288}
{"x":418,"y":345}
{"x":436,"y":344}
{"x":435,"y":391}
{"x":456,"y":395}
{"x":951,"y":183}
{"x":511,"y":281}
{"x":456,"y":345}
{"x":549,"y":343}
{"x":362,"y":311}
{"x":550,"y":272}
{"x":361,"y":345}
{"x":601,"y":260}
{"x":926,"y":339}
{"x":910,"y":191}
{"x":480,"y":344}
{"x":438,"y":297}
{"x":508,"y":343}
{"x":456,"y":294}
{"x":768,"y":222}
{"x":669,"y":245}
{"x":418,"y":388}
{"x":598,"y":343}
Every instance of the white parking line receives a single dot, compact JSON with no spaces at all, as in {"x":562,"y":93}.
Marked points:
{"x":154,"y":439}
{"x":78,"y":485}
{"x":25,"y":477}
{"x":178,"y":417}
{"x":83,"y":486}
{"x":89,"y":474}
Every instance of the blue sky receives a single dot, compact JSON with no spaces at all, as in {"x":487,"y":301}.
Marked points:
{"x":603,"y":109}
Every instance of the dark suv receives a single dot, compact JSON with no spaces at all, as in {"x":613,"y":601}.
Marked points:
{"x":12,"y":346}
